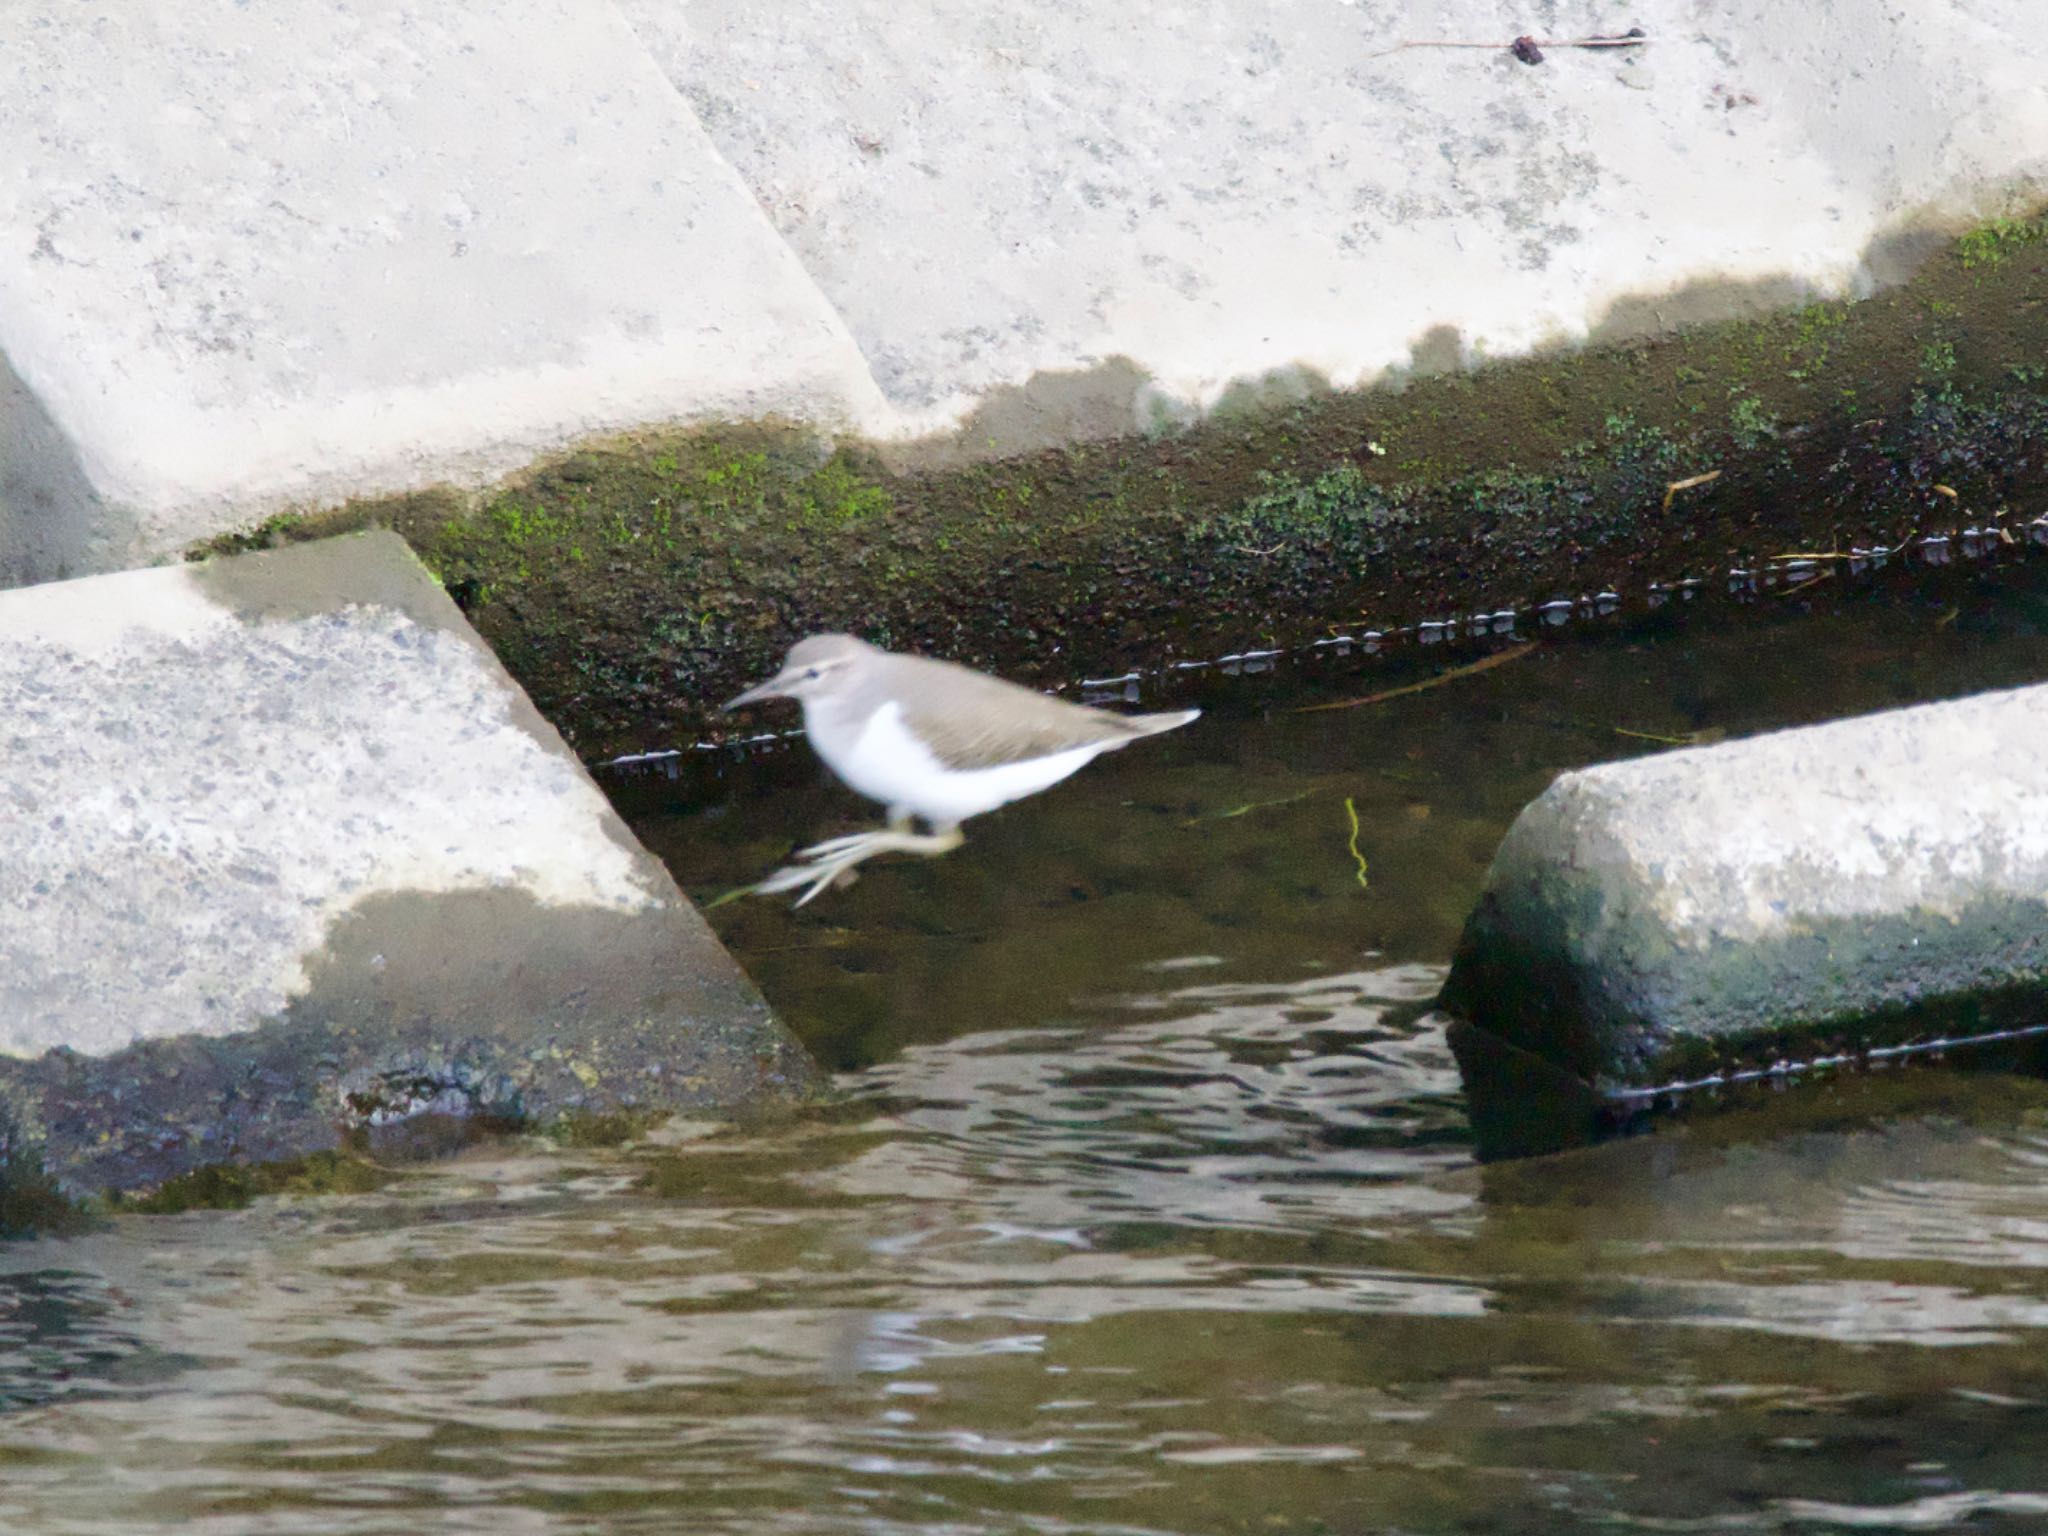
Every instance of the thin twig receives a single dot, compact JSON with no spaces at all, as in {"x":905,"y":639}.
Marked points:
{"x":1483,"y":664}
{"x":1540,"y":42}
{"x":1687,"y":484}
{"x":1812,"y":581}
{"x":1247,"y":808}
{"x":1688,"y":739}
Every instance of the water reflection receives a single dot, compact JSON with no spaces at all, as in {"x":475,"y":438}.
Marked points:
{"x":1256,"y":1108}
{"x":1215,"y":1260}
{"x":64,"y":1335}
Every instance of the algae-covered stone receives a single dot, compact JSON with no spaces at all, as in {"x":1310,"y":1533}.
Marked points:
{"x":1832,"y":889}
{"x":287,"y":859}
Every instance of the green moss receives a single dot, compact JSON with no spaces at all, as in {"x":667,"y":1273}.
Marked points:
{"x":225,"y":1187}
{"x":268,"y":534}
{"x":1814,"y":329}
{"x":837,"y":493}
{"x":615,"y":1128}
{"x":413,"y":514}
{"x":1938,"y":361}
{"x":31,"y":1203}
{"x":1991,"y":244}
{"x":623,"y":502}
{"x":1750,"y":422}
{"x":633,"y":584}
{"x":1340,"y":503}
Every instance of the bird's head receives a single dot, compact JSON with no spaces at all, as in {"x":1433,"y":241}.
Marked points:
{"x":817,"y":665}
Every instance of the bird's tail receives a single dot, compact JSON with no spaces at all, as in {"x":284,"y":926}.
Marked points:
{"x":1152,"y":725}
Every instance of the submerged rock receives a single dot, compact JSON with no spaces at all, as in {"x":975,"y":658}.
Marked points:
{"x":288,"y":863}
{"x":1824,"y":892}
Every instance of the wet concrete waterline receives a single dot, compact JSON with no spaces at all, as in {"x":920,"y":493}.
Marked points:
{"x":1150,"y":1205}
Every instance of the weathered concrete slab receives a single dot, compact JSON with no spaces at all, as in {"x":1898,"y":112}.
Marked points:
{"x":1818,"y":891}
{"x":1072,"y":217}
{"x":270,"y":255}
{"x":255,"y":257}
{"x":286,"y":858}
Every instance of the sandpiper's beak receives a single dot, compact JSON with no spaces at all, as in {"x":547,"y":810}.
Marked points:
{"x":772,"y":689}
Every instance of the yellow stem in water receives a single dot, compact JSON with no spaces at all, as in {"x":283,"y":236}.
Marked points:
{"x":1351,"y":811}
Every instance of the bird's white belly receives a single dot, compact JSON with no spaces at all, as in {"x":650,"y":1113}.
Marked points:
{"x":882,"y":760}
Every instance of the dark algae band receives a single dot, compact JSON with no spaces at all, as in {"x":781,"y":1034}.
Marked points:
{"x":633,"y":585}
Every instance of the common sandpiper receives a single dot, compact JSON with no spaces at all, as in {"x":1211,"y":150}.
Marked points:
{"x":930,"y":740}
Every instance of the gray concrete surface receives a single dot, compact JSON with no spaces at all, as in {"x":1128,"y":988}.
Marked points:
{"x":287,"y":858}
{"x":1239,"y":195}
{"x":1845,"y":886}
{"x":261,"y":257}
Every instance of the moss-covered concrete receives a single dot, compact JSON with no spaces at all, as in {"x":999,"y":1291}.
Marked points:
{"x":425,"y":1022}
{"x":359,"y":896}
{"x":1871,"y":887}
{"x":633,"y":585}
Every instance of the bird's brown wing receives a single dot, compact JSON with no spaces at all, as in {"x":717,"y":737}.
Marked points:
{"x":971,"y":720}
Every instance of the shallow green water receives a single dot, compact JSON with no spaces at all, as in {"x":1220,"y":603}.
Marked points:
{"x":1149,"y":1207}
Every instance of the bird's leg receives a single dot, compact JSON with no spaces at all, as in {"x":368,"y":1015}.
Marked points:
{"x":901,"y":819}
{"x":820,"y":864}
{"x":901,"y":824}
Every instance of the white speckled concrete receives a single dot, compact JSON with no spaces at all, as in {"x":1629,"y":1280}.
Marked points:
{"x":261,"y":256}
{"x":194,"y":801}
{"x":1930,"y":810}
{"x":1223,"y":189}
{"x":284,"y":822}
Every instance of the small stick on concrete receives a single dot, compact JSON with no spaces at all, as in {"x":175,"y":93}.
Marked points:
{"x":1484,"y":663}
{"x":1687,"y":484}
{"x":1635,"y":37}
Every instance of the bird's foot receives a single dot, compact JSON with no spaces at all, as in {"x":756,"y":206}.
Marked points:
{"x":822,"y":864}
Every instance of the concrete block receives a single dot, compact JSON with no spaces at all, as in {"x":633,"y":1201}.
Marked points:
{"x":1815,"y":892}
{"x":286,"y":858}
{"x":1075,"y":217}
{"x":255,"y":257}
{"x":259,"y":256}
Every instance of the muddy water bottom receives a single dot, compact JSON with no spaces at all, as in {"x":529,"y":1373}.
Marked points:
{"x":1148,"y":1206}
